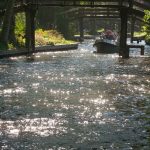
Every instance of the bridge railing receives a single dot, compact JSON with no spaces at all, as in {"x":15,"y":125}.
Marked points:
{"x":92,"y":3}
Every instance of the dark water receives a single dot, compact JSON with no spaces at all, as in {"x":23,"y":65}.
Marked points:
{"x":75,"y":100}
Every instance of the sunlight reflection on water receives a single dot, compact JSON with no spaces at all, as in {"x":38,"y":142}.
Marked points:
{"x":75,"y":100}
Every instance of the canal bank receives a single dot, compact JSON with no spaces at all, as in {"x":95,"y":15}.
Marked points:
{"x":15,"y":53}
{"x":75,"y":100}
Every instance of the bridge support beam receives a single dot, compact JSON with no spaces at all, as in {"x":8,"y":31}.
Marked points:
{"x":81,"y":29}
{"x":123,"y":50}
{"x":93,"y":27}
{"x":8,"y":16}
{"x":132,"y":28}
{"x":30,"y":30}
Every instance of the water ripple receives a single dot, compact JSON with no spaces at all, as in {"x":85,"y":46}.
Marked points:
{"x":75,"y":100}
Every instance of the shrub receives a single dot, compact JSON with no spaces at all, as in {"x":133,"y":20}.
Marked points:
{"x":49,"y":37}
{"x":146,"y":27}
{"x":20,"y":28}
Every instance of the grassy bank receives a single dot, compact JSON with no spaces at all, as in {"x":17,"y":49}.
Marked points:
{"x":140,"y":34}
{"x":42,"y":38}
{"x":50,"y":37}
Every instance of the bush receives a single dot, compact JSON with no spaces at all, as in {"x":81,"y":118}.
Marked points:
{"x":20,"y":28}
{"x":146,"y":27}
{"x":49,"y":37}
{"x":42,"y":37}
{"x":147,"y":39}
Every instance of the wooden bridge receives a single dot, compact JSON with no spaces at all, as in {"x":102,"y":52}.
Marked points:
{"x":102,"y":13}
{"x":123,"y":9}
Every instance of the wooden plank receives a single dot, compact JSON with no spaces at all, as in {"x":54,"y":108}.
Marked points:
{"x":87,"y":3}
{"x":99,"y":13}
{"x":103,"y":17}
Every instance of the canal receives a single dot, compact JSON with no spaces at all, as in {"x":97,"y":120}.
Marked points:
{"x":75,"y":100}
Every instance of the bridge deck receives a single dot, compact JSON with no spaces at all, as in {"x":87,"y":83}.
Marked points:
{"x":137,"y":6}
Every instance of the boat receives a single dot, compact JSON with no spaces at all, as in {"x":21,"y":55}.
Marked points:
{"x":107,"y":43}
{"x":105,"y":46}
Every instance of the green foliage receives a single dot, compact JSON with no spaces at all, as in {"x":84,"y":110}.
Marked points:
{"x":42,"y":37}
{"x":139,"y":34}
{"x":146,"y":27}
{"x":20,"y":23}
{"x":4,"y":47}
{"x":100,"y":30}
{"x":11,"y":46}
{"x":147,"y":38}
{"x":20,"y":28}
{"x":147,"y":19}
{"x":49,"y":37}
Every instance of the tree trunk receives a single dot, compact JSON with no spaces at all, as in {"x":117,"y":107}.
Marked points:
{"x":7,"y":22}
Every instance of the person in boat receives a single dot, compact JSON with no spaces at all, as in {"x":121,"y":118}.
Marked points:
{"x":110,"y":35}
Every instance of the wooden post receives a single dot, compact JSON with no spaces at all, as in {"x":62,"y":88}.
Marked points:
{"x":7,"y":22}
{"x":132,"y":20}
{"x":132,"y":28}
{"x":33,"y":12}
{"x":123,"y":50}
{"x":81,"y":28}
{"x":93,"y":26}
{"x":142,"y":50}
{"x":30,"y":29}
